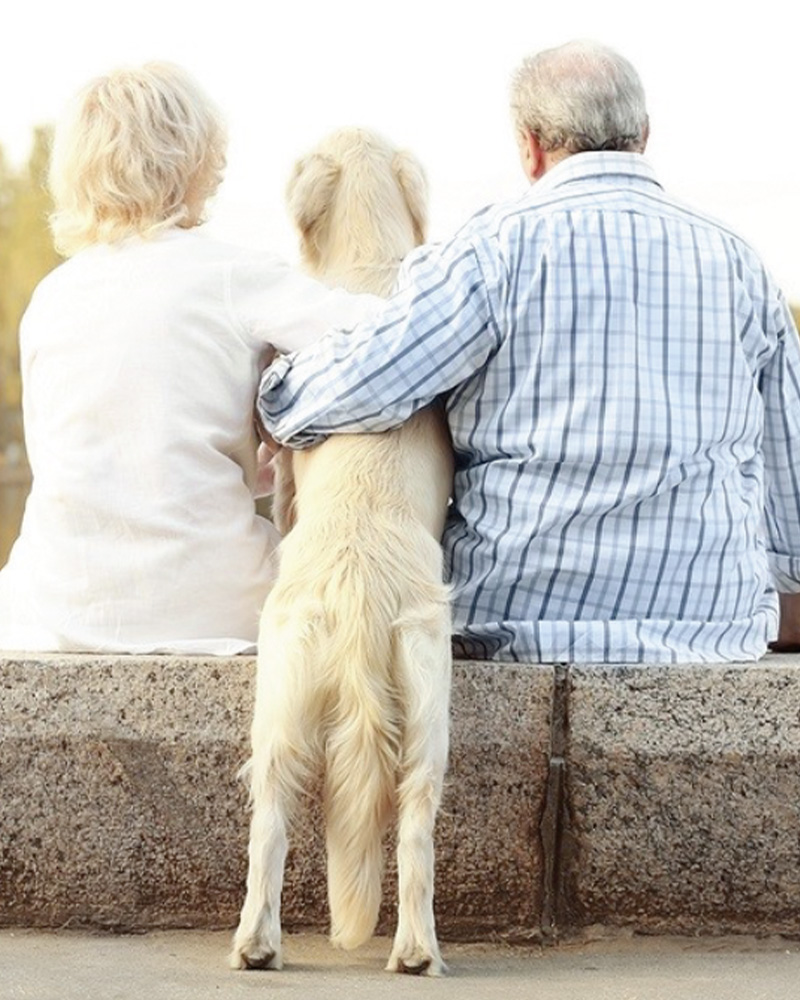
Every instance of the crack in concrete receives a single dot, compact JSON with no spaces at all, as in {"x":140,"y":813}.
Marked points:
{"x":554,"y":816}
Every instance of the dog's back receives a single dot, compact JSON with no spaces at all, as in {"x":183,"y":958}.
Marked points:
{"x":361,"y":578}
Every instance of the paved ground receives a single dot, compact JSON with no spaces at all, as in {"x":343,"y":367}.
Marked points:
{"x":190,"y":965}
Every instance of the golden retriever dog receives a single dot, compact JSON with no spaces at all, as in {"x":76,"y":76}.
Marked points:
{"x":354,"y":646}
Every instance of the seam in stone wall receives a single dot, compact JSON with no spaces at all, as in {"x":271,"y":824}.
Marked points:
{"x":551,"y":828}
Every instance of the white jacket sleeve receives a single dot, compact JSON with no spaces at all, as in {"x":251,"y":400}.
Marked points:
{"x":274,"y":304}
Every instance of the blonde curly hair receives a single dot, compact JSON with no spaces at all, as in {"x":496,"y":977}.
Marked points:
{"x":138,"y":151}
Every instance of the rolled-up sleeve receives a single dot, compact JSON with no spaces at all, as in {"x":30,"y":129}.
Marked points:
{"x":434,"y":333}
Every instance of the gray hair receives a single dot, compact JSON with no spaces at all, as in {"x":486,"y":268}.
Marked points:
{"x":580,"y":97}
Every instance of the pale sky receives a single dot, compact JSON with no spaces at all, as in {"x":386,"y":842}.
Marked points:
{"x":432,"y":76}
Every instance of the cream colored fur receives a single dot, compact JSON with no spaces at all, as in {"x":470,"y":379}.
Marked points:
{"x":354,"y":647}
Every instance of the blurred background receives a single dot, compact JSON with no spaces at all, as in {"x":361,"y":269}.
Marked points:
{"x":26,"y":255}
{"x":721,"y":88}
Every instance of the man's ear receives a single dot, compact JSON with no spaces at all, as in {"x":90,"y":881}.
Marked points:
{"x":531,"y":155}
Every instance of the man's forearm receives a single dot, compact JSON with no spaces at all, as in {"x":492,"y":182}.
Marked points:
{"x":432,"y":336}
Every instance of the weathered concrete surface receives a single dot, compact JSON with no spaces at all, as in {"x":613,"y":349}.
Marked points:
{"x":683,"y":796}
{"x":120,"y":803}
{"x":489,"y":863}
{"x":120,"y":806}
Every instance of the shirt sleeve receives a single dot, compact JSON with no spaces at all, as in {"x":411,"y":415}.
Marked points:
{"x":274,"y":304}
{"x":780,"y":389}
{"x":437,"y":330}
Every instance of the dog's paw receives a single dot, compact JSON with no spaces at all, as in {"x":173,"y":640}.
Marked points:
{"x":416,"y":960}
{"x":253,"y":954}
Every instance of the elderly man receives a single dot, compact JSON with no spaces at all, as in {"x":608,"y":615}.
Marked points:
{"x":622,"y":384}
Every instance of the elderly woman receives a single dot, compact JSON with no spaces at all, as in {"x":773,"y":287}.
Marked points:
{"x":140,"y":360}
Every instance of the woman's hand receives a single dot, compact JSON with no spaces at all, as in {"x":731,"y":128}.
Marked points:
{"x":265,"y":476}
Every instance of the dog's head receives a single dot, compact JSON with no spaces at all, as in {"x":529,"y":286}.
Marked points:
{"x":355,"y":195}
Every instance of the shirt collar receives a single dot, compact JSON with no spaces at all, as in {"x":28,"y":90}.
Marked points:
{"x":595,"y":166}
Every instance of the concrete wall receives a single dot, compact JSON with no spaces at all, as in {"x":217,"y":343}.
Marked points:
{"x":661,"y":798}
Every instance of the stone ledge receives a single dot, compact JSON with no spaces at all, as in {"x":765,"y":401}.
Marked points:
{"x":121,"y":806}
{"x":683,"y":789}
{"x":658,"y":798}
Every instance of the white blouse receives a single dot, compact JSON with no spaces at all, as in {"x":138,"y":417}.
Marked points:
{"x":140,"y":364}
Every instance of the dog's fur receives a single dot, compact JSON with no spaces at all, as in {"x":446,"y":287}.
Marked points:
{"x":354,"y":647}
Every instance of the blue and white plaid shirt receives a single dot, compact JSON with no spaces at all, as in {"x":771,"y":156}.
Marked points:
{"x":622,"y":382}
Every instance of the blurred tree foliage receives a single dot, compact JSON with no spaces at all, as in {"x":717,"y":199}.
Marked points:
{"x":26,"y":255}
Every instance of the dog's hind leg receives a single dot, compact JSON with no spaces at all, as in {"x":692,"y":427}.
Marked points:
{"x":257,"y":944}
{"x":278,"y":770}
{"x":424,"y":662}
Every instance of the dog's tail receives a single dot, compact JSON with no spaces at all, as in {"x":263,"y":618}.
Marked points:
{"x":362,"y":759}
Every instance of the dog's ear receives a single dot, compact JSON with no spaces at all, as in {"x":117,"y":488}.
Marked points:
{"x":411,"y":178}
{"x":310,"y":190}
